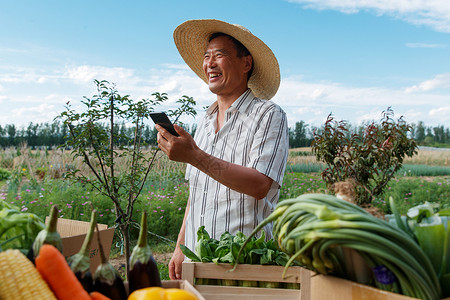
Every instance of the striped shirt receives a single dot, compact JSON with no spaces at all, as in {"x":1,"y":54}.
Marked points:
{"x":254,"y":134}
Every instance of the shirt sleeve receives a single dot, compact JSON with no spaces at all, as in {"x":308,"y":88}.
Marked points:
{"x":270,"y":148}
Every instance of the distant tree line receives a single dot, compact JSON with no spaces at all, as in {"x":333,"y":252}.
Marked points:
{"x":50,"y":135}
{"x":301,"y":134}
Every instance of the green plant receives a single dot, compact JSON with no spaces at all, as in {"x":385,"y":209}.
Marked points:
{"x":423,"y":170}
{"x":4,"y":174}
{"x":100,"y":147}
{"x":409,"y":192}
{"x":371,"y":158}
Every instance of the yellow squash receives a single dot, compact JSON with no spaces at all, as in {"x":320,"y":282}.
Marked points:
{"x":158,"y":293}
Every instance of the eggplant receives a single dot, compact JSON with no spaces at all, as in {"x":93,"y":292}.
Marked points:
{"x":48,"y":235}
{"x":107,"y":279}
{"x":143,"y":268}
{"x":80,"y":262}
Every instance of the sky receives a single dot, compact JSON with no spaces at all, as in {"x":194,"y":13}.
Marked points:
{"x":349,"y":58}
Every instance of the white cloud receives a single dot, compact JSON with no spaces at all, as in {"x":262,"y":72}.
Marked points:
{"x":355,"y":104}
{"x":440,"y":81}
{"x":177,"y":66}
{"x":41,"y":113}
{"x":423,"y":45}
{"x":432,"y":13}
{"x":83,"y":74}
{"x":441,"y":112}
{"x":310,"y":102}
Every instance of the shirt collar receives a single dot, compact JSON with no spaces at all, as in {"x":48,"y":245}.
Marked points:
{"x":241,"y":104}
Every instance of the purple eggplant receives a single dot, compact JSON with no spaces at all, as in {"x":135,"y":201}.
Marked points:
{"x":143,"y":268}
{"x":106,"y":278}
{"x":80,"y":263}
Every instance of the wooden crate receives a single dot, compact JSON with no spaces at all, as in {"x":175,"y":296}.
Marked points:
{"x":334,"y":288}
{"x":192,"y":270}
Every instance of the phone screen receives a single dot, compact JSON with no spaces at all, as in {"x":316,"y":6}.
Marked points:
{"x":161,"y":119}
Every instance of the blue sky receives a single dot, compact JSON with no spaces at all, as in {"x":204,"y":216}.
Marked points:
{"x":346,"y":57}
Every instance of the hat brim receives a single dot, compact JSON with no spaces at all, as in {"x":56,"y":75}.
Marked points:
{"x":191,"y":39}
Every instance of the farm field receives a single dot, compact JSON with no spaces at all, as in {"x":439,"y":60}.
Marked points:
{"x":37,"y":181}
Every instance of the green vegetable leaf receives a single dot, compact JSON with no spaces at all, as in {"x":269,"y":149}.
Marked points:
{"x":421,"y":211}
{"x":202,"y":234}
{"x":189,"y":254}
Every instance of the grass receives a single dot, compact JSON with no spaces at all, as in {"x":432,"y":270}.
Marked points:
{"x":411,"y":191}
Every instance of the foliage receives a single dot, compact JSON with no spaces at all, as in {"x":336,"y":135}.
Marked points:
{"x":299,"y":136}
{"x":306,"y":168}
{"x":297,"y":183}
{"x":225,"y":250}
{"x":4,"y":174}
{"x":99,"y":147}
{"x":371,"y":158}
{"x":409,"y":192}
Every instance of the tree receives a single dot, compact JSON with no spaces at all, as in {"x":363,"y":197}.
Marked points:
{"x":369,"y":158}
{"x":420,"y":132}
{"x":439,"y":134}
{"x":11,"y":130}
{"x":298,"y":136}
{"x":100,"y":150}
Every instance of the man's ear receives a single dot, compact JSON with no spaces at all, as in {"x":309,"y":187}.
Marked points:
{"x":248,"y":63}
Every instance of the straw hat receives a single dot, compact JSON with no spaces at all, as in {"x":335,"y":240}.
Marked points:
{"x":191,"y":38}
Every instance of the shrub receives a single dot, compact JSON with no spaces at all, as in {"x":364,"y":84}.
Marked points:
{"x":4,"y":174}
{"x":369,"y":158}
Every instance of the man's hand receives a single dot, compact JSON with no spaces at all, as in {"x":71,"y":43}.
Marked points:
{"x":175,"y":264}
{"x":178,"y":148}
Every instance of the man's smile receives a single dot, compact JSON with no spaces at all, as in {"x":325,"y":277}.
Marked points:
{"x":214,"y":75}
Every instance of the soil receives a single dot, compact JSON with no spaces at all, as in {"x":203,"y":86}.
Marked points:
{"x":374,"y":211}
{"x":119,"y":262}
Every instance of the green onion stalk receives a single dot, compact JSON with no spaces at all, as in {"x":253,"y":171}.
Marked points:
{"x":313,"y":230}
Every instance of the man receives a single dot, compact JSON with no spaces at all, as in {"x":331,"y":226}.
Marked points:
{"x":237,"y":160}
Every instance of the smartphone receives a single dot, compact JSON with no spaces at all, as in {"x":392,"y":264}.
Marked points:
{"x":162,"y":119}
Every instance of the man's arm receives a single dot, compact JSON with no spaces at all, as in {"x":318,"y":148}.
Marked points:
{"x":175,"y":264}
{"x":239,"y":178}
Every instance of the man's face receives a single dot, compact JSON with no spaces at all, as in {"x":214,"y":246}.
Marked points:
{"x":226,"y":73}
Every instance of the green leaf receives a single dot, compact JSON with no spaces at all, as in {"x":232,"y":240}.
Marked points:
{"x":431,"y":239}
{"x":239,"y":238}
{"x":189,"y":254}
{"x":202,"y":234}
{"x":421,"y":211}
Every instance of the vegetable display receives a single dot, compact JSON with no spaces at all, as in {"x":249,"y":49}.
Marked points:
{"x":314,"y":229}
{"x":257,"y":251}
{"x":19,"y":279}
{"x":52,"y":277}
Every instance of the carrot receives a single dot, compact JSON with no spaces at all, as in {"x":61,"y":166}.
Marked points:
{"x":53,"y":267}
{"x":98,"y":296}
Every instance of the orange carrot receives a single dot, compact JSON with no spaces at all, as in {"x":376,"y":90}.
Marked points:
{"x":53,"y":267}
{"x":98,"y":296}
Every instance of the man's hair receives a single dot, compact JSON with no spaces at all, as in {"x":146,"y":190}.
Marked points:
{"x":240,"y":48}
